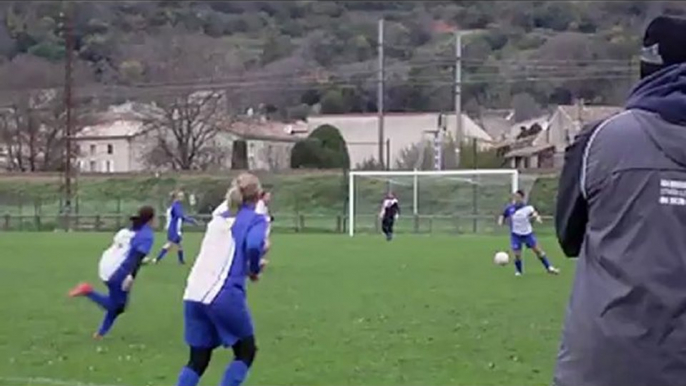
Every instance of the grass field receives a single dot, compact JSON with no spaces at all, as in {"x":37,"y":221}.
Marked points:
{"x":423,"y":310}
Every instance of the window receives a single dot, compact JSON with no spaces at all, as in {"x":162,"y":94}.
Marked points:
{"x":110,"y":148}
{"x":93,"y":166}
{"x":93,"y":148}
{"x":108,"y":166}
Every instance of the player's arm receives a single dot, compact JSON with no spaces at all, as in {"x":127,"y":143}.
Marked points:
{"x":503,"y":216}
{"x":255,"y":247}
{"x":383,"y":207}
{"x":182,"y":215}
{"x":536,"y":216}
{"x":571,"y":214}
{"x":139,"y":249}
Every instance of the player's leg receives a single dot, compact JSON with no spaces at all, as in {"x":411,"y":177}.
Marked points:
{"x":532,"y":244}
{"x":516,"y":246}
{"x":179,"y":250}
{"x":244,"y":352}
{"x":202,"y":338}
{"x":232,"y":318}
{"x":391,"y":224}
{"x":165,"y":249}
{"x":117,"y":299}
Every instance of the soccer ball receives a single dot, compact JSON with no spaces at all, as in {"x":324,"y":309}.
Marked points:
{"x":501,"y":258}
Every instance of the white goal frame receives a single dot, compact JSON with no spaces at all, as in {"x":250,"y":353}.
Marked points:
{"x":512,"y":173}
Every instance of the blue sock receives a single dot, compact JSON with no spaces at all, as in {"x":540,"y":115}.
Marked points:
{"x":162,"y":254}
{"x":545,"y":262}
{"x":100,"y":299}
{"x":188,"y":377}
{"x":235,"y":374}
{"x":107,"y":323}
{"x":518,"y":265}
{"x":180,"y":253}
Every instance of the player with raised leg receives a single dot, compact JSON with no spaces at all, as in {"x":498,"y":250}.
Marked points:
{"x":118,"y":267}
{"x":519,"y":214}
{"x":216,"y":311}
{"x":390,"y":210}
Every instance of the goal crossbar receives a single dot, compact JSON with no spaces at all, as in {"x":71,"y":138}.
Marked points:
{"x":513,"y":173}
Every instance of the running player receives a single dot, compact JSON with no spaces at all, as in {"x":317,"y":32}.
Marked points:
{"x":175,"y":220}
{"x":119,"y":265}
{"x":215,"y":306}
{"x":390,"y":210}
{"x":519,"y":214}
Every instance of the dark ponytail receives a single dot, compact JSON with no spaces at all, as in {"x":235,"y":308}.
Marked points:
{"x":145,"y":215}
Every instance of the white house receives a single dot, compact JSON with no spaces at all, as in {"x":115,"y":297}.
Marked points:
{"x":402,"y":130}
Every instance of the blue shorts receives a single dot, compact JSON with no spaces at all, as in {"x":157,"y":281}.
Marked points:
{"x":174,"y":238}
{"x":516,"y":241}
{"x":221,"y":323}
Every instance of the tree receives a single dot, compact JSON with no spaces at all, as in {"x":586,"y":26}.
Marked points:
{"x":324,"y":148}
{"x":32,"y":119}
{"x":187,"y":122}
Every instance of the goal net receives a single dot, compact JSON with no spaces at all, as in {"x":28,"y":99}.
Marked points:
{"x":448,"y":201}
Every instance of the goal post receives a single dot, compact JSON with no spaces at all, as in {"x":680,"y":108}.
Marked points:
{"x":440,"y":194}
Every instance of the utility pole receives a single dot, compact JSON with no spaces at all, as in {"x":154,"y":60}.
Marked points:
{"x":68,"y":105}
{"x":380,"y":93}
{"x":459,"y":134}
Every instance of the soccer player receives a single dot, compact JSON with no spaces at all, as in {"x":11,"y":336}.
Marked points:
{"x":262,"y":208}
{"x":519,"y":214}
{"x":119,"y":265}
{"x":390,"y":210}
{"x":175,"y":220}
{"x":215,"y":306}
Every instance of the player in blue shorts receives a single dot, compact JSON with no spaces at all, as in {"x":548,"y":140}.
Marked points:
{"x":216,"y":310}
{"x":519,"y":214}
{"x":175,"y":219}
{"x":119,"y":265}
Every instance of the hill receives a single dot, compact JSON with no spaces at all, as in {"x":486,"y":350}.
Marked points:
{"x":296,"y":54}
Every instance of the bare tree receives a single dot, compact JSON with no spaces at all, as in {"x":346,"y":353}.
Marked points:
{"x":32,"y":114}
{"x":184,"y":75}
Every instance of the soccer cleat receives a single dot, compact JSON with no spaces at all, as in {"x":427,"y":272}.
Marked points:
{"x":518,"y":274}
{"x":81,"y":290}
{"x":553,"y":271}
{"x":97,"y":336}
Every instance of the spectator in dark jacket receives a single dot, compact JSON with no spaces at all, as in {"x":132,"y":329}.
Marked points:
{"x":621,"y":208}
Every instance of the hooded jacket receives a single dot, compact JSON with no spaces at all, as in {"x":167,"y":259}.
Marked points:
{"x":621,"y":208}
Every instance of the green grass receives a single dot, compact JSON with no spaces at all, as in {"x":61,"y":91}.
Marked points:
{"x":423,"y":310}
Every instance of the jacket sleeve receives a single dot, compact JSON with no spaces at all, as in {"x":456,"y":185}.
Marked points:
{"x":571,"y":214}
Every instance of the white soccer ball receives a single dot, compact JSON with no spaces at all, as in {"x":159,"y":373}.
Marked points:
{"x":501,"y":258}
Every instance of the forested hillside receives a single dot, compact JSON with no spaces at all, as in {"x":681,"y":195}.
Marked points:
{"x":295,"y":54}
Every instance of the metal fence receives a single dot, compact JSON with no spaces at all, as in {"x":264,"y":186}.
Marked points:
{"x":284,"y":223}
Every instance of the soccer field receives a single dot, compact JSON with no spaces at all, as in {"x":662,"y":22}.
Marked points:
{"x":330,"y":310}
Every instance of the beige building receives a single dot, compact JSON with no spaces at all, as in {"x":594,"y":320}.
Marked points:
{"x":402,"y":130}
{"x":117,"y":141}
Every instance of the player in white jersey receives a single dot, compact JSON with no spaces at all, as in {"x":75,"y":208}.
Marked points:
{"x":519,"y":214}
{"x":216,"y":311}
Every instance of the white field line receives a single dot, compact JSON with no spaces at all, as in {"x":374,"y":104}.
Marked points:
{"x":42,"y":381}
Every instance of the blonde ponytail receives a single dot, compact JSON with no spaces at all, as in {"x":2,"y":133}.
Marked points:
{"x":234,"y":198}
{"x":244,"y":188}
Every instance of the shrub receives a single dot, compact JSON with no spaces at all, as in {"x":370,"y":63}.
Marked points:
{"x":324,"y":148}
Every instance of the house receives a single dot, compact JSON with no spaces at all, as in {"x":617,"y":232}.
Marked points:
{"x":113,"y":141}
{"x":541,"y":142}
{"x":269,"y":142}
{"x":401,"y":130}
{"x":118,"y":140}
